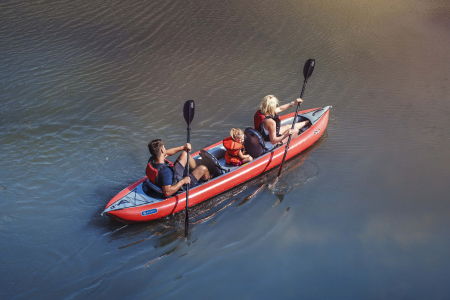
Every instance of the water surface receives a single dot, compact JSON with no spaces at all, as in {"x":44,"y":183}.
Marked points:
{"x":85,"y":85}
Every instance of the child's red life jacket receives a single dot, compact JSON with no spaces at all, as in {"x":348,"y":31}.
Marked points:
{"x":152,"y":171}
{"x":233,"y":148}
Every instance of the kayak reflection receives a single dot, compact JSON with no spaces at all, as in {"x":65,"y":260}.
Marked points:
{"x":163,"y":232}
{"x":296,"y":173}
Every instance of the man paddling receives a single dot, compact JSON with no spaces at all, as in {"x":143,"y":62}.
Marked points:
{"x":168,"y":176}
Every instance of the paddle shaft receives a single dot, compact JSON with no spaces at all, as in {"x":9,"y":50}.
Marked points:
{"x":292,"y":127}
{"x":186,"y":221}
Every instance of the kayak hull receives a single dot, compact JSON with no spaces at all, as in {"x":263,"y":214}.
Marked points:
{"x":163,"y":208}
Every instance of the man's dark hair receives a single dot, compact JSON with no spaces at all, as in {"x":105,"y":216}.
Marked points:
{"x":155,"y":147}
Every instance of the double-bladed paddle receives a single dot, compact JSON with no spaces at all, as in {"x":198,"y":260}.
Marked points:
{"x":307,"y":71}
{"x":188,"y":112}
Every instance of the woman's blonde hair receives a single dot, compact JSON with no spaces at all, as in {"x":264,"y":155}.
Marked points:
{"x":268,"y":105}
{"x":236,"y":132}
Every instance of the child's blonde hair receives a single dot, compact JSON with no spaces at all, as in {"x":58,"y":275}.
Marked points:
{"x":236,"y":132}
{"x":268,"y":105}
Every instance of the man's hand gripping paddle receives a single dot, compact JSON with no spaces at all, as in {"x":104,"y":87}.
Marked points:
{"x":188,"y":112}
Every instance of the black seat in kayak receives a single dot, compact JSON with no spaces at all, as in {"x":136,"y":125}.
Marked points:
{"x":254,"y":143}
{"x":213,"y":165}
{"x":152,"y":190}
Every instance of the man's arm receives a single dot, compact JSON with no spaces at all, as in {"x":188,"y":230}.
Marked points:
{"x":175,"y":150}
{"x":169,"y":190}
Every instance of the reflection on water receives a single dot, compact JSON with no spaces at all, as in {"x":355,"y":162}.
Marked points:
{"x":160,"y":233}
{"x":289,"y":180}
{"x":85,"y":85}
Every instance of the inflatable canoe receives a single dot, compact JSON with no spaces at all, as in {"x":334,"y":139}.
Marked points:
{"x":141,"y":202}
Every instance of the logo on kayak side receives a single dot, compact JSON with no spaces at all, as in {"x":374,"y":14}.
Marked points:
{"x":149,"y":212}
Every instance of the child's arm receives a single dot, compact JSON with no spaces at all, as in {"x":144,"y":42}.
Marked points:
{"x":242,"y":155}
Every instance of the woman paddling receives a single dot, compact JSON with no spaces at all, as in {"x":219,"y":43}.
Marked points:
{"x":267,"y":121}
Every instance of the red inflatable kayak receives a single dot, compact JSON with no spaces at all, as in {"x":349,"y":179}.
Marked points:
{"x":137,"y":204}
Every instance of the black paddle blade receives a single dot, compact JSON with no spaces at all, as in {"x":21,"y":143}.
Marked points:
{"x":188,"y":111}
{"x":308,"y":68}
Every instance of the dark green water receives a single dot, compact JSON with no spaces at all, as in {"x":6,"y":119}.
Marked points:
{"x":85,"y":85}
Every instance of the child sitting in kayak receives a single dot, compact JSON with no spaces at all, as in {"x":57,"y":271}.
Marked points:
{"x":235,"y":149}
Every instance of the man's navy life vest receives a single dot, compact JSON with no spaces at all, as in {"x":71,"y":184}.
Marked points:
{"x":153,"y":171}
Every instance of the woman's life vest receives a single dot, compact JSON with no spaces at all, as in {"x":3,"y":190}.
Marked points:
{"x":233,"y":148}
{"x":153,"y":171}
{"x":259,"y":120}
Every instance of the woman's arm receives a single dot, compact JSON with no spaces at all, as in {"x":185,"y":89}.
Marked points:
{"x":272,"y":128}
{"x":282,"y":107}
{"x":288,"y":105}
